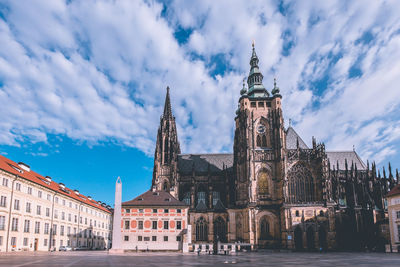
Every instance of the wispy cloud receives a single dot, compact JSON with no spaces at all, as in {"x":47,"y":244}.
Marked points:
{"x":96,"y":71}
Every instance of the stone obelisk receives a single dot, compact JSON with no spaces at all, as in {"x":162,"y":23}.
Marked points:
{"x":116,"y":233}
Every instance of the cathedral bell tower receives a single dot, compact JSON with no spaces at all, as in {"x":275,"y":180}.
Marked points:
{"x":259,"y":142}
{"x":167,"y":150}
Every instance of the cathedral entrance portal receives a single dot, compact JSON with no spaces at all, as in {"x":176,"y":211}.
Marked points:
{"x":310,"y":238}
{"x":298,"y":238}
{"x":220,"y":230}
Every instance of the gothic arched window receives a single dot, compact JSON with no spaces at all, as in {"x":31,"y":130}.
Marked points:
{"x":263,"y":182}
{"x":201,"y":195}
{"x":258,"y":143}
{"x":201,"y":230}
{"x":186,"y":198}
{"x":264,"y":141}
{"x":166,"y":186}
{"x":166,"y":151}
{"x":300,"y":184}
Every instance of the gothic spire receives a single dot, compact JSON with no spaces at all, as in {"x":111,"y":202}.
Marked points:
{"x":167,"y":106}
{"x":254,"y":81}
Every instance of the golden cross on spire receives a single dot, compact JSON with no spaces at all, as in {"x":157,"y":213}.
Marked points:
{"x":252,"y":44}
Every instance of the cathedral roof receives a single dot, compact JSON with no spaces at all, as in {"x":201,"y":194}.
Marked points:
{"x":202,"y":163}
{"x":291,"y":139}
{"x":341,"y":157}
{"x":156,"y":198}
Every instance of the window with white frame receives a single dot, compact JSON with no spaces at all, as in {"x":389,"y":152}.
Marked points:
{"x":28,"y":207}
{"x":37,"y":227}
{"x":13,"y":241}
{"x":48,"y":212}
{"x":2,"y":222}
{"x":14,"y":225}
{"x":27,"y":226}
{"x":3,"y":201}
{"x":39,"y":193}
{"x":16,"y":204}
{"x":18,"y":186}
{"x":46,"y":228}
{"x":30,"y":190}
{"x":38,"y":209}
{"x":398,"y":214}
{"x":5,"y":182}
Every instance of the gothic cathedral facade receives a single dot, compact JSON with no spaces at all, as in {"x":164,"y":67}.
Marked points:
{"x":273,"y":191}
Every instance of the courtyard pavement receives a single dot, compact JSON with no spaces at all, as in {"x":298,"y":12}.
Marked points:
{"x":102,"y":258}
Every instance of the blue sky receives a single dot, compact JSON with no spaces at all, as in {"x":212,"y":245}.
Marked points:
{"x":82,"y":83}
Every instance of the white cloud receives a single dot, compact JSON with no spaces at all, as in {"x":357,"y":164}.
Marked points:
{"x":97,"y":70}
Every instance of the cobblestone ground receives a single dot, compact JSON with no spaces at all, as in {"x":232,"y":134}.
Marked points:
{"x":97,"y":258}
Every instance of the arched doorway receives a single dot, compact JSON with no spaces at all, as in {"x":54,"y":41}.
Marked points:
{"x":310,"y":238}
{"x":322,"y":238}
{"x":298,"y":238}
{"x":265,"y":232}
{"x":220,"y":230}
{"x":239,"y":228}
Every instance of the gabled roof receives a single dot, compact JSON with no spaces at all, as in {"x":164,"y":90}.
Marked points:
{"x":156,"y":198}
{"x":395,"y":191}
{"x":11,"y":167}
{"x":201,"y":162}
{"x":291,"y":139}
{"x":341,"y":156}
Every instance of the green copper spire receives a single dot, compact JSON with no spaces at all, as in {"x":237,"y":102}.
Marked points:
{"x":276,"y":90}
{"x":254,"y":81}
{"x":244,"y":90}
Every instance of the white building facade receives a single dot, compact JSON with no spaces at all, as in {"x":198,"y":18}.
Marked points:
{"x":38,"y":214}
{"x":393,"y":200}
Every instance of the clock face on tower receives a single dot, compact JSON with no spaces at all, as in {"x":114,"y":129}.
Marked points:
{"x":261,"y":129}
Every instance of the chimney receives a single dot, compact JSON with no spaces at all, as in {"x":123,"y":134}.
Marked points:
{"x":24,"y":166}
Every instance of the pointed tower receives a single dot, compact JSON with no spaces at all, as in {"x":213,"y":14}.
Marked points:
{"x":167,"y":150}
{"x":259,"y":142}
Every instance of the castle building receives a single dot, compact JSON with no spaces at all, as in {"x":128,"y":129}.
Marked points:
{"x":273,"y":191}
{"x":155,"y":220}
{"x":38,"y":214}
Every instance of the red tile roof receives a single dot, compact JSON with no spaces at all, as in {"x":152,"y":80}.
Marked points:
{"x":10,"y":166}
{"x":157,"y":198}
{"x":395,"y":191}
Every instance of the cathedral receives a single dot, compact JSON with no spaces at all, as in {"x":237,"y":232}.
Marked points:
{"x":273,"y":191}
